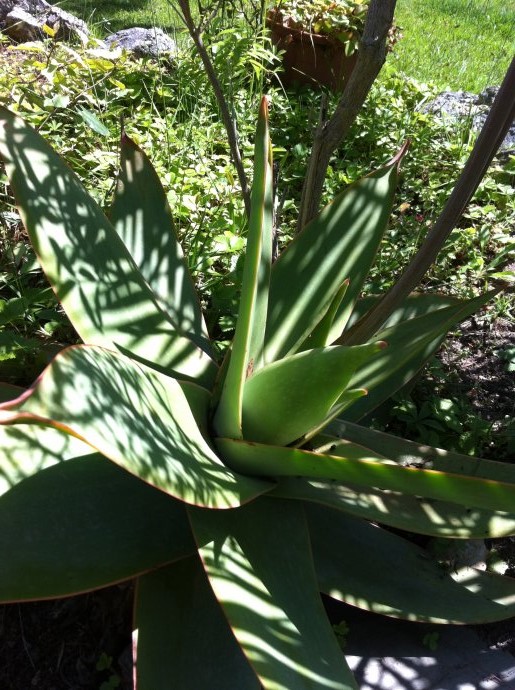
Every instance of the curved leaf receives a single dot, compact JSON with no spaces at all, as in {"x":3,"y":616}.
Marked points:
{"x":410,"y":453}
{"x":25,"y":449}
{"x":415,"y":305}
{"x":410,"y":344}
{"x":85,"y":524}
{"x":285,"y":399}
{"x":136,"y":417}
{"x":246,"y":354}
{"x":176,"y":615}
{"x":321,"y":335}
{"x":409,"y":513}
{"x":259,"y":564}
{"x":199,"y":401}
{"x":90,"y":269}
{"x":142,"y":218}
{"x":360,"y":466}
{"x":411,"y":586}
{"x":339,"y":244}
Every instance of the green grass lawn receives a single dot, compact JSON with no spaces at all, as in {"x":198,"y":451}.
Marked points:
{"x":456,"y":44}
{"x":107,"y":16}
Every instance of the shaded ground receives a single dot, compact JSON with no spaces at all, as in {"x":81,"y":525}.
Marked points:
{"x":77,"y":643}
{"x":477,"y":366}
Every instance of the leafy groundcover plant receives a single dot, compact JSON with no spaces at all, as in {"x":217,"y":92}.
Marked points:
{"x":343,"y":20}
{"x":236,"y":491}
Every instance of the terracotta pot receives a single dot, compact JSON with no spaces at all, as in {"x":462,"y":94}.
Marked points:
{"x":312,"y":59}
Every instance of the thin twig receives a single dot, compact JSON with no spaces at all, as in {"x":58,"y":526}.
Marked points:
{"x":371,"y":57}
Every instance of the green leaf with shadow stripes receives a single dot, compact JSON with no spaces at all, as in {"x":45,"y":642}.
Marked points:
{"x":420,"y":590}
{"x":136,"y":417}
{"x":176,"y":615}
{"x":349,"y":462}
{"x":141,"y":216}
{"x":275,"y":613}
{"x":340,"y":244}
{"x":95,"y":278}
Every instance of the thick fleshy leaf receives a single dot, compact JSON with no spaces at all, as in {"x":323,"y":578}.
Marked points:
{"x":176,"y":617}
{"x":258,"y":561}
{"x":285,"y":399}
{"x":357,"y":465}
{"x":321,"y":334}
{"x":411,"y":585}
{"x":84,"y":524}
{"x":339,"y":244}
{"x":136,"y":417}
{"x":90,"y":269}
{"x":26,"y":449}
{"x":347,"y":398}
{"x":417,"y":304}
{"x":409,"y":513}
{"x":246,"y":354}
{"x":410,"y":344}
{"x":410,"y":453}
{"x":199,"y":401}
{"x":142,"y":218}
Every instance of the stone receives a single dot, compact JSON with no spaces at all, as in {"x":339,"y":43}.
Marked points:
{"x":23,"y":20}
{"x":487,"y":96}
{"x":21,"y":26}
{"x":143,"y":42}
{"x":453,"y":106}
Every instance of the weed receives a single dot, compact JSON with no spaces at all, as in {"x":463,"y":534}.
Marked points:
{"x":431,"y":640}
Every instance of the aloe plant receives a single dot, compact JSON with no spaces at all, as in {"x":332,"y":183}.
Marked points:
{"x":235,"y":491}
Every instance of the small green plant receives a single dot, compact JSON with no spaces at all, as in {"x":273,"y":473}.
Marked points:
{"x":341,"y":630}
{"x":105,"y":663}
{"x":507,"y":355}
{"x":431,"y":640}
{"x":443,"y":422}
{"x":236,"y":489}
{"x":343,"y":20}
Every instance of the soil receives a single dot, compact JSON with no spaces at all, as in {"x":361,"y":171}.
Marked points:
{"x":476,"y":369}
{"x":77,"y":643}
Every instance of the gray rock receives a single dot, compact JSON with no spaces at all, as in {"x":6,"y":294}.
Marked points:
{"x":143,"y":42}
{"x":21,"y":26}
{"x":487,"y":96}
{"x":453,"y":106}
{"x":23,"y":20}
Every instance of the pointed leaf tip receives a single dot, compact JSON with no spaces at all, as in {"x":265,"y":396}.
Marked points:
{"x":263,"y":108}
{"x":397,"y":159}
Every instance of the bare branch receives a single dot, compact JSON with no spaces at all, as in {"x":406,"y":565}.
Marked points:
{"x":495,"y":128}
{"x":330,"y":133}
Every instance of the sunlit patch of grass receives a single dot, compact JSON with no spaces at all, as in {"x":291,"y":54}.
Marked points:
{"x":108,"y":16}
{"x":457,"y":44}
